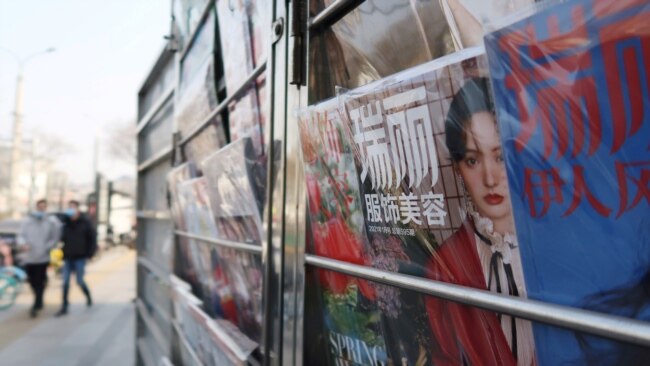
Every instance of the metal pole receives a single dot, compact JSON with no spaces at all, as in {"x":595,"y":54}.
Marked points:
{"x":109,"y":208}
{"x":18,"y":130}
{"x":96,"y":156}
{"x":16,"y":145}
{"x":32,"y":175}
{"x":98,"y":187}
{"x":61,"y":192}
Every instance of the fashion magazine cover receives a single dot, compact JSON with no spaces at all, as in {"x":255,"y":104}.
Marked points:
{"x":572,"y":88}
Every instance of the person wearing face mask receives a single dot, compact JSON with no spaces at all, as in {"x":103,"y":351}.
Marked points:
{"x":38,"y":235}
{"x":484,"y":252}
{"x":79,"y":244}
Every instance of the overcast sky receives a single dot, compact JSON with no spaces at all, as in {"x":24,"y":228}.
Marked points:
{"x":104,"y":50}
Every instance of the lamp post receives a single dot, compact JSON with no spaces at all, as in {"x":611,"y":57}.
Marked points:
{"x":18,"y":128}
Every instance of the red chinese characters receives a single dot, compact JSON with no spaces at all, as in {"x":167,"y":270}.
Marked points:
{"x":577,"y":88}
{"x":545,"y":187}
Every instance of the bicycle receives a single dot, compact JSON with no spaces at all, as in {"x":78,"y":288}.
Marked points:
{"x":11,"y":281}
{"x":11,"y":278}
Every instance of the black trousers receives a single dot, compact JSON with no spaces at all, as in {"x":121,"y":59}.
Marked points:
{"x":37,"y":276}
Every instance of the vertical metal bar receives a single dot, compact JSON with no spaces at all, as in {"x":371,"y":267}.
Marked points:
{"x":298,"y":27}
{"x":98,"y":187}
{"x":267,"y":218}
{"x":109,"y":207}
{"x":272,"y":256}
{"x":294,"y":240}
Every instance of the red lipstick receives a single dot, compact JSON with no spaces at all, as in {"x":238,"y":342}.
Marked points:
{"x":493,"y":199}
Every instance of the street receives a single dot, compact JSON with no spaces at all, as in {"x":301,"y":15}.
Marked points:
{"x":100,"y":335}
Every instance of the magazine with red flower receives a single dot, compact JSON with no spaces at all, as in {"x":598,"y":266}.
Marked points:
{"x":349,"y":318}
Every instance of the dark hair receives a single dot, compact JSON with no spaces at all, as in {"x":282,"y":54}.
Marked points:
{"x":74,"y":203}
{"x":42,"y":200}
{"x":473,"y":97}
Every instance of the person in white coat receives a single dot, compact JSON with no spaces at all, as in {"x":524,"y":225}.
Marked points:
{"x":38,"y":235}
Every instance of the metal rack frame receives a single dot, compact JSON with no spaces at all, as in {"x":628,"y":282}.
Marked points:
{"x":605,"y":325}
{"x":146,"y":215}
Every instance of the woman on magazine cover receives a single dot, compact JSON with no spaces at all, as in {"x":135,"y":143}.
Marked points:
{"x":483,"y":253}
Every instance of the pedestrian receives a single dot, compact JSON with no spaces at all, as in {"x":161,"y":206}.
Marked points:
{"x":38,"y":235}
{"x":79,"y":244}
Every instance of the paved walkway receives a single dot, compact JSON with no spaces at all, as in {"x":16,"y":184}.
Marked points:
{"x":101,"y":335}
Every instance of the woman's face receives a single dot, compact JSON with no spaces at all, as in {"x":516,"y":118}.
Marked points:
{"x":484,"y":173}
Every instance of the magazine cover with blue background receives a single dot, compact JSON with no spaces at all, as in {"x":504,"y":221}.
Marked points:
{"x":572,"y":91}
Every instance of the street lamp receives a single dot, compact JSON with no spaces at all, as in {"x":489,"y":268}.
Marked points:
{"x":18,"y":126}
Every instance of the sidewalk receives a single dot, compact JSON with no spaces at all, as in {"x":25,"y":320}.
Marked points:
{"x":101,"y":335}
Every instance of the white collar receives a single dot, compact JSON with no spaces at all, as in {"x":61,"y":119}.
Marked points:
{"x":502,"y":243}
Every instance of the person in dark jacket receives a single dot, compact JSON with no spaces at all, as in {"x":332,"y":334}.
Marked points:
{"x":79,"y":244}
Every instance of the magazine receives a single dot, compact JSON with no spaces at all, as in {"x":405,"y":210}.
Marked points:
{"x":182,"y":301}
{"x":208,"y":261}
{"x":350,"y":318}
{"x":258,"y":12}
{"x":230,"y":346}
{"x":195,"y":204}
{"x":197,"y":94}
{"x":572,"y":96}
{"x":437,"y":205}
{"x":234,"y":30}
{"x":182,"y":259}
{"x":236,"y":192}
{"x":175,"y":177}
{"x":209,"y":140}
{"x":200,"y":339}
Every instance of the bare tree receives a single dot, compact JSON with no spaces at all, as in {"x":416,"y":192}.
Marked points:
{"x":48,"y":149}
{"x":121,"y":142}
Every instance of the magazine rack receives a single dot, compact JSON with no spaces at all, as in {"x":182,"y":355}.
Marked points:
{"x":265,"y":230}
